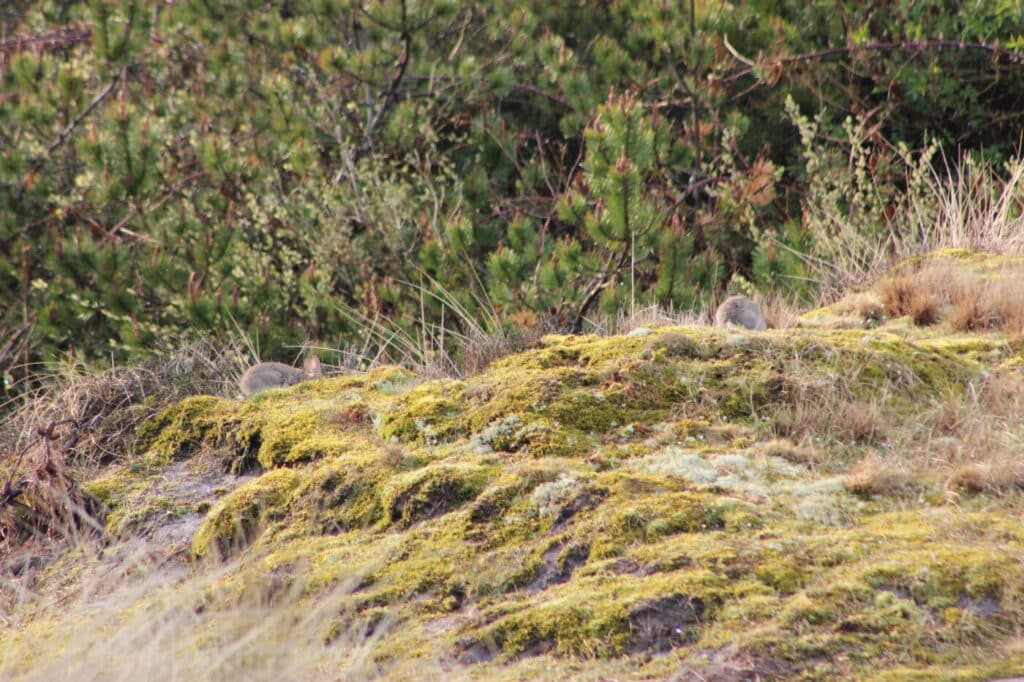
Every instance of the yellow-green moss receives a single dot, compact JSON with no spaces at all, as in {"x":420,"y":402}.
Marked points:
{"x":179,"y":430}
{"x":677,"y":344}
{"x":342,"y":494}
{"x":424,"y":415}
{"x":433,"y":490}
{"x":966,"y":258}
{"x":231,"y":523}
{"x":110,"y":488}
{"x":281,"y":436}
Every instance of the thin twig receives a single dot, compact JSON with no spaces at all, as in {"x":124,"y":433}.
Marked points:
{"x":81,"y":117}
{"x":54,"y":40}
{"x":994,"y":50}
{"x":392,"y":91}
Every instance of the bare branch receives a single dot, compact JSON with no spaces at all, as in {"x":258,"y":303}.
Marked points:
{"x":390,"y":95}
{"x":994,"y":50}
{"x":55,"y":40}
{"x":77,"y":120}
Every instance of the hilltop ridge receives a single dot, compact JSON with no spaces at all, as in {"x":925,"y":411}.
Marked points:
{"x":680,"y":501}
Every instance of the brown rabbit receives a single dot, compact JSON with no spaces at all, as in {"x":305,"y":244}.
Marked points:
{"x":266,"y":375}
{"x":740,"y":311}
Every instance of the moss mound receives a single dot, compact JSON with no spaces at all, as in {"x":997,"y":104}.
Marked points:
{"x":620,"y":502}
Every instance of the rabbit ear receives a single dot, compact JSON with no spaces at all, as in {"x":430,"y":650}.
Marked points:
{"x":312,"y":366}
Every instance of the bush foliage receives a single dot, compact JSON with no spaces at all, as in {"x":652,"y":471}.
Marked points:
{"x":197,"y":166}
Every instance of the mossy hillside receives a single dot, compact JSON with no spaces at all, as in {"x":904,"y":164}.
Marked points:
{"x":608,"y":498}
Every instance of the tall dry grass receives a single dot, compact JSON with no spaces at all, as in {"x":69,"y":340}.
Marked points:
{"x":79,"y":420}
{"x":965,"y":442}
{"x":972,"y":441}
{"x":978,"y":208}
{"x":870,"y":204}
{"x":459,"y":344}
{"x":128,"y":618}
{"x":968,"y":299}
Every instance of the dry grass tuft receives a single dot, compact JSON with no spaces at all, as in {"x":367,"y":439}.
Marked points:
{"x":102,"y":408}
{"x":787,"y":450}
{"x":969,"y":441}
{"x":997,"y":477}
{"x":875,"y":475}
{"x":969,"y":477}
{"x":79,"y":420}
{"x":130,"y":619}
{"x":915,"y":293}
{"x":350,"y":416}
{"x":979,"y":208}
{"x":461,"y":344}
{"x":969,"y":300}
{"x":795,"y":420}
{"x":828,"y":414}
{"x":1001,"y":394}
{"x":991,"y":304}
{"x":780,"y":313}
{"x":395,"y":456}
{"x":626,"y":321}
{"x":864,"y":305}
{"x":859,"y":422}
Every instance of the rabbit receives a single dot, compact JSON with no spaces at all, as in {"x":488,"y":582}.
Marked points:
{"x":266,"y":375}
{"x":740,"y":311}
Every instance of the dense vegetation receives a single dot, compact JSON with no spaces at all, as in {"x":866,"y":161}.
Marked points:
{"x":200,"y":166}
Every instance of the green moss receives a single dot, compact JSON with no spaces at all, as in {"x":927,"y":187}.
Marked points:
{"x":181,"y":429}
{"x":433,"y":490}
{"x":783,"y":574}
{"x":677,"y":345}
{"x":341,"y":495}
{"x":424,"y":415}
{"x":281,"y":437}
{"x":973,"y":349}
{"x":966,"y":258}
{"x":943,"y":576}
{"x":233,"y":521}
{"x":802,"y":610}
{"x":586,"y":410}
{"x":566,"y":628}
{"x":655,"y":516}
{"x":111,"y":488}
